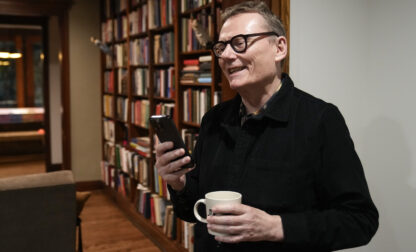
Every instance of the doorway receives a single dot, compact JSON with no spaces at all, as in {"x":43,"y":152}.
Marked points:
{"x":22,"y":96}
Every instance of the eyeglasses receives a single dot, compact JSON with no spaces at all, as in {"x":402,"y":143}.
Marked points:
{"x":238,"y":43}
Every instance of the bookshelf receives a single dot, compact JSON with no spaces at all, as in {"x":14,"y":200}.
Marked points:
{"x":140,"y":76}
{"x":155,"y":65}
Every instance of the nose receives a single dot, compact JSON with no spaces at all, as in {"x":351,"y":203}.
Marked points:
{"x":228,"y":52}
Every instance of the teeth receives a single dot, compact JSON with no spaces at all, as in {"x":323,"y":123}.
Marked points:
{"x":233,"y":70}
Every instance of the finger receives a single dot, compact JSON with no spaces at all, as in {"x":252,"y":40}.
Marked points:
{"x":226,"y":229}
{"x":168,"y":157}
{"x":173,"y":167}
{"x":229,"y":238}
{"x":161,"y":148}
{"x":226,"y":220}
{"x":182,"y":171}
{"x":235,"y":209}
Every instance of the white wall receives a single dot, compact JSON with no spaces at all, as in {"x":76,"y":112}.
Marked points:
{"x":85,"y":90}
{"x":360,"y":55}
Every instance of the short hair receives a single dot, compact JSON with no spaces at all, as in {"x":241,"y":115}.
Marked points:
{"x":273,"y":22}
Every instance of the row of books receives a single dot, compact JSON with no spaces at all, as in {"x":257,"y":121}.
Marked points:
{"x":108,"y":173}
{"x":189,"y":136}
{"x":109,"y":81}
{"x":140,"y":112}
{"x":120,"y":27}
{"x":141,"y":145}
{"x":138,"y":20}
{"x":164,"y":51}
{"x":121,"y":55}
{"x":188,"y":38}
{"x":140,"y":81}
{"x":122,"y":81}
{"x":109,"y":59}
{"x":164,"y":82}
{"x":109,"y":130}
{"x":107,"y":9}
{"x":108,"y":105}
{"x":117,"y":180}
{"x":121,"y":109}
{"x":120,"y":5}
{"x":163,"y":12}
{"x":133,"y":160}
{"x":160,"y":212}
{"x":109,"y":152}
{"x":196,"y":71}
{"x":123,"y":183}
{"x":107,"y":31}
{"x":139,"y":51}
{"x":192,"y":4}
{"x":163,"y":108}
{"x":153,"y":207}
{"x":196,"y":102}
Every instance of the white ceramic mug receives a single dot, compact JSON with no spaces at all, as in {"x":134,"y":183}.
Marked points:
{"x":216,"y":198}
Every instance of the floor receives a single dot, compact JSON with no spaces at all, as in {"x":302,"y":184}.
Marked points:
{"x":13,"y":168}
{"x":106,"y":229}
{"x":104,"y":226}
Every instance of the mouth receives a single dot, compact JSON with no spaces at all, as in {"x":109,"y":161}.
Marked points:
{"x":236,"y":69}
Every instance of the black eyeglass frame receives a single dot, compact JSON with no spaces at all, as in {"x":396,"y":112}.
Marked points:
{"x":244,"y":36}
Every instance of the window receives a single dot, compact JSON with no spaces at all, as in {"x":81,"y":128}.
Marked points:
{"x":21,"y":66}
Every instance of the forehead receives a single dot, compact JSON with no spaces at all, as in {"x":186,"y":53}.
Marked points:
{"x":243,"y":23}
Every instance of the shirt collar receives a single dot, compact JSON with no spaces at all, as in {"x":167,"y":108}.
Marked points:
{"x":277,"y":107}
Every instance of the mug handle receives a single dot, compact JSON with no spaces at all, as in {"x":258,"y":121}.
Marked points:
{"x":201,"y":201}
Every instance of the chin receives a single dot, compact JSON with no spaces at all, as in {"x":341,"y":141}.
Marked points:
{"x":240,"y":85}
{"x":235,"y":84}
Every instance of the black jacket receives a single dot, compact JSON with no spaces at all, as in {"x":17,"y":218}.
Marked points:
{"x":296,"y":160}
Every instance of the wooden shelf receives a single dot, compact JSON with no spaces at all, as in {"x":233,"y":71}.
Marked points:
{"x":191,"y":124}
{"x":153,"y":232}
{"x":138,"y":35}
{"x":196,"y":84}
{"x":158,"y":98}
{"x":126,"y":130}
{"x":195,"y":10}
{"x":169,"y":64}
{"x":166,"y":28}
{"x":196,"y":52}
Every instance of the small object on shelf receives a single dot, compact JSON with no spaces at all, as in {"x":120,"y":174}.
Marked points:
{"x":201,"y":33}
{"x":103,"y":47}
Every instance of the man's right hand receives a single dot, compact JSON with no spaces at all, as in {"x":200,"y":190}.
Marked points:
{"x":169,"y":169}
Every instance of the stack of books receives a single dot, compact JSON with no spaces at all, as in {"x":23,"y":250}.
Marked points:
{"x":205,"y":69}
{"x":196,"y":71}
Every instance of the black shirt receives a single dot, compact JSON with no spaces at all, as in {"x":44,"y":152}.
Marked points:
{"x":296,"y":159}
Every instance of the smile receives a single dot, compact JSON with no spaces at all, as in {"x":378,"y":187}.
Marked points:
{"x":235,"y":69}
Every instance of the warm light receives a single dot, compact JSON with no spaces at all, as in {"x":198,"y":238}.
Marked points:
{"x":60,"y":56}
{"x":4,"y":55}
{"x":42,"y":56}
{"x":15,"y":55}
{"x":4,"y":63}
{"x":7,"y":55}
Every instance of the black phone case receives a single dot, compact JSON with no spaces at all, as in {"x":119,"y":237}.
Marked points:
{"x":166,"y":131}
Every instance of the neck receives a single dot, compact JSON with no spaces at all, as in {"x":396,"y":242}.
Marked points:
{"x":255,"y":99}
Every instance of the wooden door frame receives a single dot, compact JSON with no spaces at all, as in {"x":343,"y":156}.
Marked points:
{"x":27,"y":11}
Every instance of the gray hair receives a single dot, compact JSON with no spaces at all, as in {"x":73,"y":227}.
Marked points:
{"x":273,"y":22}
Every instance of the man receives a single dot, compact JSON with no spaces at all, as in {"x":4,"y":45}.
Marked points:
{"x":288,"y":153}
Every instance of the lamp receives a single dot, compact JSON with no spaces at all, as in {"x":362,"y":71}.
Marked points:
{"x":8,"y":55}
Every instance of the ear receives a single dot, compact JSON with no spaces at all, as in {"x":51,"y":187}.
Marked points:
{"x":281,"y":49}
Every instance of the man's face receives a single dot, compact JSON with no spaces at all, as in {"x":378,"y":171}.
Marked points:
{"x":257,"y":65}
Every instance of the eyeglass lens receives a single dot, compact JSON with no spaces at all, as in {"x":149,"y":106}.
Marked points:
{"x":238,"y":43}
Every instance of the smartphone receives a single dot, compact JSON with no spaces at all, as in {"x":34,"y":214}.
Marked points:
{"x":166,"y":131}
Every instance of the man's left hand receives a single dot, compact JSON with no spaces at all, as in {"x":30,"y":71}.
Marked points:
{"x":244,"y":223}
